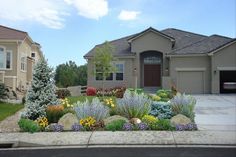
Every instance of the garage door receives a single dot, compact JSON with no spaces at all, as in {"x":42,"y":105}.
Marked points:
{"x":228,"y":81}
{"x":190,"y":82}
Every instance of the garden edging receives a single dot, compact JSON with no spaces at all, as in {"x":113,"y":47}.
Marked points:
{"x":120,"y":138}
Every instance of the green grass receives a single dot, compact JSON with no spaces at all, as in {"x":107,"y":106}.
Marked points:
{"x":7,"y":109}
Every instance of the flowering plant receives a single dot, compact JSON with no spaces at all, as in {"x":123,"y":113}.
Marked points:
{"x":65,"y":103}
{"x":88,"y":122}
{"x":109,"y":102}
{"x":42,"y":122}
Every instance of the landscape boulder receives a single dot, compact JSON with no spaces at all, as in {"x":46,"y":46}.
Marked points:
{"x":114,"y":118}
{"x":180,"y":119}
{"x":68,"y":120}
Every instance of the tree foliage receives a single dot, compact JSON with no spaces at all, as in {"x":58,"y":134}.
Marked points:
{"x":41,"y":93}
{"x":69,"y":74}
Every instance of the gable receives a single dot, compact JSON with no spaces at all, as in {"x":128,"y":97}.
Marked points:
{"x":151,"y":41}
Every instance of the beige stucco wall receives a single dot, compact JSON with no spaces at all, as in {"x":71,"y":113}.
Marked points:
{"x":191,"y":64}
{"x":224,"y":59}
{"x":2,"y":74}
{"x":151,"y":41}
{"x":128,"y":80}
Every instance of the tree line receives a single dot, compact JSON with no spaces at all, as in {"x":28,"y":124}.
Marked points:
{"x":70,"y":74}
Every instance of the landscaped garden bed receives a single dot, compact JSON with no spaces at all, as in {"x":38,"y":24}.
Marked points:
{"x":116,"y":109}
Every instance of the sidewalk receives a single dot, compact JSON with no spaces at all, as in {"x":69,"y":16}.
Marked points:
{"x":111,"y":139}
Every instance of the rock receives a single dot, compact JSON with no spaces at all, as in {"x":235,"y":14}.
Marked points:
{"x":135,"y":121}
{"x":68,"y":120}
{"x":180,"y":119}
{"x":113,"y":118}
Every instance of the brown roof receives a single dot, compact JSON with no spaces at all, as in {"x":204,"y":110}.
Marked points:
{"x":11,"y":34}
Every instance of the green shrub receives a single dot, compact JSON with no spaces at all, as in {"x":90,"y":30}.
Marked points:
{"x":136,"y":90}
{"x":116,"y":125}
{"x":133,"y":105}
{"x":165,"y":95}
{"x":163,"y":124}
{"x":28,"y":125}
{"x":150,"y":121}
{"x":62,"y":93}
{"x":3,"y":91}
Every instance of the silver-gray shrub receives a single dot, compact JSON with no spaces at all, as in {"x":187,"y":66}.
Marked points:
{"x":95,"y":109}
{"x":133,"y":105}
{"x":183,"y":104}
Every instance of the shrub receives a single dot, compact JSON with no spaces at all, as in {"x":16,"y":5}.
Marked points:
{"x":150,"y":121}
{"x":95,"y":109}
{"x":54,"y":113}
{"x":42,"y":122}
{"x":187,"y":127}
{"x":3,"y":91}
{"x":183,"y":104}
{"x":133,"y":105}
{"x":62,"y":93}
{"x":163,"y":124}
{"x":136,"y":90}
{"x":28,"y":125}
{"x":91,"y":91}
{"x":119,"y":92}
{"x":160,"y":109}
{"x":65,"y":102}
{"x":88,"y":123}
{"x":156,"y":98}
{"x":128,"y":127}
{"x":116,"y":125}
{"x":165,"y":95}
{"x":77,"y":127}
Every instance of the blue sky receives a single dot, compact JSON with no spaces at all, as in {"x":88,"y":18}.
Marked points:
{"x":67,"y":29}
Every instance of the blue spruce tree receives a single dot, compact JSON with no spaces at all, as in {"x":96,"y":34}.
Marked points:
{"x":41,"y":93}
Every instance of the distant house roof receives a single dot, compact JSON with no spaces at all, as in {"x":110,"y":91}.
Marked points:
{"x":184,"y":43}
{"x":11,"y":34}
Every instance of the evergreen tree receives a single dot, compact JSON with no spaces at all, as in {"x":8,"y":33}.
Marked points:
{"x":41,"y":93}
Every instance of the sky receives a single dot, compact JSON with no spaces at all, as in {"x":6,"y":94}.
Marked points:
{"x":68,"y":29}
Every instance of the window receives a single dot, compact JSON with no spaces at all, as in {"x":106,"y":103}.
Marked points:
{"x":98,"y":73}
{"x":110,"y":77}
{"x":8,"y":59}
{"x":23,"y":63}
{"x":2,"y":58}
{"x":33,"y":55}
{"x":120,"y":71}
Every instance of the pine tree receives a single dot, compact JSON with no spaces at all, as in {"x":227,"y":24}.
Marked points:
{"x":42,"y":91}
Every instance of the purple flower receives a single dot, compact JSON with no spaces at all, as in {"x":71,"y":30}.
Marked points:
{"x":56,"y":128}
{"x":180,"y":127}
{"x":190,"y":126}
{"x":77,"y":127}
{"x":128,"y":127}
{"x":142,"y":126}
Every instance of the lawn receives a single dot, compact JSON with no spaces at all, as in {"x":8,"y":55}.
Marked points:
{"x":7,"y":109}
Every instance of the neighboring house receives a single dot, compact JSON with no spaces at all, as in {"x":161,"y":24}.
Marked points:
{"x":18,"y":54}
{"x":192,"y":62}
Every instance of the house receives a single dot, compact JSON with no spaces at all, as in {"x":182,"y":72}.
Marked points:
{"x":193,"y":63}
{"x":18,"y":54}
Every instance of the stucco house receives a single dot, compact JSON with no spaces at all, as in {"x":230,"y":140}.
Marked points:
{"x":18,"y":54}
{"x":153,"y":59}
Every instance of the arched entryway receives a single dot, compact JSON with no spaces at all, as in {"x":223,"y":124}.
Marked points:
{"x":151,"y":68}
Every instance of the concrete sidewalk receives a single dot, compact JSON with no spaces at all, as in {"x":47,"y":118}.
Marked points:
{"x":120,"y":138}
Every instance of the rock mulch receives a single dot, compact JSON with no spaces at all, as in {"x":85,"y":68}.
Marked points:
{"x":10,"y":123}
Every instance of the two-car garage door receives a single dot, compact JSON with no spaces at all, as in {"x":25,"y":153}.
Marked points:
{"x":190,"y":82}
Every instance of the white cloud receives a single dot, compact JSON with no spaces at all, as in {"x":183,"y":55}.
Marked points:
{"x":47,"y":12}
{"x":128,"y":15}
{"x":93,"y":9}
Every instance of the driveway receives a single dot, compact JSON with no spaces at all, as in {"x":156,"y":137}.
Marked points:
{"x":216,"y":112}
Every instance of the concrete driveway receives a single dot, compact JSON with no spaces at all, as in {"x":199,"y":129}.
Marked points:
{"x":216,"y":112}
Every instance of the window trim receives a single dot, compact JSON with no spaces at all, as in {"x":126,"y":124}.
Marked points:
{"x":23,"y":70}
{"x":11,"y":53}
{"x":4,"y":60}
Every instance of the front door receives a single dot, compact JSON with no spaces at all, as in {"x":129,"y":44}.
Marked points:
{"x":152,"y":75}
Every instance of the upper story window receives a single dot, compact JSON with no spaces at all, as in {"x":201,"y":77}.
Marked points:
{"x":5,"y":59}
{"x":33,"y":54}
{"x":23,"y":63}
{"x":98,"y":72}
